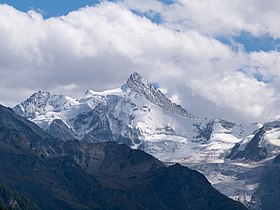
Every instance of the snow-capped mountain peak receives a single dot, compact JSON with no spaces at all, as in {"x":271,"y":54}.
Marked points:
{"x":34,"y":104}
{"x":39,"y":98}
{"x":136,"y":82}
{"x":273,"y":122}
{"x":140,"y":85}
{"x":141,"y":116}
{"x":137,"y":114}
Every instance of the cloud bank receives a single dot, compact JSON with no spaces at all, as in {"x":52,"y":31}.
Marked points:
{"x":98,"y":47}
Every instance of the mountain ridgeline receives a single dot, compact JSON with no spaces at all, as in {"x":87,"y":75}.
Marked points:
{"x":59,"y":175}
{"x":137,"y":114}
{"x":233,"y":156}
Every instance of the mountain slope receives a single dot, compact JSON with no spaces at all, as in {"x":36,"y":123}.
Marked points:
{"x":82,"y":175}
{"x":267,"y":193}
{"x":264,"y":144}
{"x":11,"y":200}
{"x":139,"y":115}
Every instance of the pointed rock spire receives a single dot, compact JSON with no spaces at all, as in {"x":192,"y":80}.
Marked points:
{"x":140,"y":85}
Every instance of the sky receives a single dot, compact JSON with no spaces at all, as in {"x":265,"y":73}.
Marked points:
{"x":216,"y":58}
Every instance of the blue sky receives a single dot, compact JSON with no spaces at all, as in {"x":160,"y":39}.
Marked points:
{"x":50,"y":8}
{"x":252,"y":43}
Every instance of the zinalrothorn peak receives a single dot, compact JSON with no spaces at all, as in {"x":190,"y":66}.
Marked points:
{"x":137,"y":114}
{"x":140,"y":85}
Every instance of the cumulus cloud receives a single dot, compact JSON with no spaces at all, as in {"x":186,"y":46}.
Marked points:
{"x":98,"y":47}
{"x":217,"y":17}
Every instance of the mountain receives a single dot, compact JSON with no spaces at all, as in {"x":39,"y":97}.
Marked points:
{"x":263,"y":144}
{"x":81,"y":175}
{"x":267,"y":193}
{"x":234,"y":157}
{"x":259,"y":152}
{"x":136,"y":83}
{"x":139,"y":115}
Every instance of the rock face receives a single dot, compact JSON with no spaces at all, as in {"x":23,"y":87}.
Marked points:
{"x":263,"y":144}
{"x":259,"y":152}
{"x":140,"y":85}
{"x":81,"y":175}
{"x":267,"y":194}
{"x":59,"y":129}
{"x":253,"y":150}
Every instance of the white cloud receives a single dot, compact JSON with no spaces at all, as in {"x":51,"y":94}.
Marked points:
{"x":98,"y":47}
{"x":218,"y":17}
